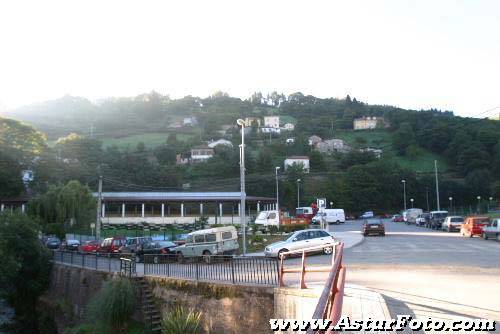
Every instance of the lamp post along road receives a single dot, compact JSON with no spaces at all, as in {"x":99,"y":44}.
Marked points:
{"x":411,"y":200}
{"x":277,"y":192}
{"x":243,"y":222}
{"x":404,"y":193}
{"x":478,"y":204}
{"x":298,"y":193}
{"x":451,"y":204}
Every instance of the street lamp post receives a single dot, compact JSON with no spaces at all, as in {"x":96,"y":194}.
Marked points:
{"x":451,"y":204}
{"x":243,"y":222}
{"x":331,"y":205}
{"x":478,"y":204}
{"x":404,"y":193}
{"x":411,"y":200}
{"x":277,"y":191}
{"x":298,"y":193}
{"x":489,"y":203}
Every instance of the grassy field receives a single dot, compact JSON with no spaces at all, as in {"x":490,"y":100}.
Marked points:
{"x":149,"y":139}
{"x":423,"y":163}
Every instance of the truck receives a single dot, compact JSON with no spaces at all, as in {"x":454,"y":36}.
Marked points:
{"x":412,"y":215}
{"x":275,"y":218}
{"x":306,"y":212}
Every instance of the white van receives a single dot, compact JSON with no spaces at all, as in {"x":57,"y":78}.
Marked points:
{"x":332,"y":216}
{"x":412,"y":215}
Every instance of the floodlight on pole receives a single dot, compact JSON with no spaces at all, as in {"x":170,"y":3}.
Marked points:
{"x":241,"y":123}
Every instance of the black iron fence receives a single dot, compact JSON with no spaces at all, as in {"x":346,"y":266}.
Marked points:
{"x":215,"y":268}
{"x":102,"y":262}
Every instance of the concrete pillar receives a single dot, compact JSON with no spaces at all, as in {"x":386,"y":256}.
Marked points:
{"x":182,"y":209}
{"x":103,"y":213}
{"x":220,"y":209}
{"x":23,"y":207}
{"x":123,"y":210}
{"x":239,"y":209}
{"x":162,"y":210}
{"x":142,"y":210}
{"x":201,"y":209}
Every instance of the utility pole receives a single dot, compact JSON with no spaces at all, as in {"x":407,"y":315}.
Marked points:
{"x":437,"y":184}
{"x":427,"y":198}
{"x":243,"y":222}
{"x":298,"y":193}
{"x":277,"y":192}
{"x":99,"y":209}
{"x":404,"y":193}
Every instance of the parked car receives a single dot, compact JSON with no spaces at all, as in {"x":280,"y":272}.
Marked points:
{"x":154,"y":248}
{"x":132,"y":245}
{"x":373,"y":227}
{"x":423,"y":219}
{"x":213,"y":241}
{"x":349,"y":217}
{"x":366,"y":215}
{"x":452,"y":223}
{"x":436,"y":219}
{"x":473,"y":225}
{"x":90,"y":246}
{"x":300,"y":240}
{"x":398,"y":218}
{"x":331,"y":216}
{"x":493,"y":230}
{"x":53,"y":243}
{"x":71,"y":245}
{"x":112,"y":245}
{"x":412,"y":214}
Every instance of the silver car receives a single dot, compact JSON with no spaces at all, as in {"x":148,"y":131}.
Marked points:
{"x":302,"y":239}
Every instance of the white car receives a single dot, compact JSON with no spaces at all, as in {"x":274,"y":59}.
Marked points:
{"x":302,"y":239}
{"x":493,"y":230}
{"x":452,"y":223}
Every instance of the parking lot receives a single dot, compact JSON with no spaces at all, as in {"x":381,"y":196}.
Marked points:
{"x":424,"y":272}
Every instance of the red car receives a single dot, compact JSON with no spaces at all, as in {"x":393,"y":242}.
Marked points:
{"x":112,"y":245}
{"x":473,"y":225}
{"x":398,"y":218}
{"x":91,"y":246}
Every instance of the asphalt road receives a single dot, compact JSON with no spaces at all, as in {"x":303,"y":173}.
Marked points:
{"x":424,"y":273}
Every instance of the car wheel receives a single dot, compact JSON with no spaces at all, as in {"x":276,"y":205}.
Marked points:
{"x":365,"y":234}
{"x":137,"y":259}
{"x":470,"y":235}
{"x":449,"y":229}
{"x":485,"y":237}
{"x":280,"y":253}
{"x":382,"y":234}
{"x":328,"y":250}
{"x":338,"y":222}
{"x":498,"y":237}
{"x":206,"y":256}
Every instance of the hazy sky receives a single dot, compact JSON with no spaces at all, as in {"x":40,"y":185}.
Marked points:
{"x":414,"y":54}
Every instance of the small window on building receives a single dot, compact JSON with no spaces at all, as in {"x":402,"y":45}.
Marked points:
{"x":226,"y":235}
{"x":199,"y":239}
{"x":210,"y":237}
{"x":272,"y":215}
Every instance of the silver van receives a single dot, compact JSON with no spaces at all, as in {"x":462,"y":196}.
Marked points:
{"x":213,"y":241}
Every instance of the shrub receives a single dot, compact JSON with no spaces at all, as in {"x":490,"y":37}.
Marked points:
{"x":114,"y":305}
{"x":181,"y":321}
{"x":257,"y":239}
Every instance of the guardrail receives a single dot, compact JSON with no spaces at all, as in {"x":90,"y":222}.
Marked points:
{"x":101,"y":262}
{"x":330,"y":302}
{"x":219,"y":268}
{"x":303,"y":269}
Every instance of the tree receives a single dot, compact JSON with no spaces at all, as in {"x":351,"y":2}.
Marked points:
{"x":63,"y":208}
{"x":404,"y":138}
{"x":10,"y":176}
{"x":24,"y":270}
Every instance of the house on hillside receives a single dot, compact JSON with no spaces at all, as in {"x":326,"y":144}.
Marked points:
{"x":201,"y":153}
{"x":376,"y":152}
{"x":270,"y":130}
{"x":367,"y":123}
{"x":221,"y":142}
{"x":181,"y":159}
{"x":290,"y":141}
{"x":297,"y":160}
{"x":288,"y":127}
{"x":332,"y":145}
{"x":313,"y":140}
{"x":250,"y":121}
{"x":190,"y":121}
{"x":272,"y":122}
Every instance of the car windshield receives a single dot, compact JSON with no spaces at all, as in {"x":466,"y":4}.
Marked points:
{"x":456,"y":220}
{"x":262,"y":215}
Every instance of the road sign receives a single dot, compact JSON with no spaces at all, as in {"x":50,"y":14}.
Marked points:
{"x":321,"y":203}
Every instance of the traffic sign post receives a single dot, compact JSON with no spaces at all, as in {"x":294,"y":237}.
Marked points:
{"x":322,"y":206}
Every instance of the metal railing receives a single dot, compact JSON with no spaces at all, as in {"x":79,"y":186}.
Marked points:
{"x":330,"y":302}
{"x":101,"y":262}
{"x":218,"y":268}
{"x":303,"y":269}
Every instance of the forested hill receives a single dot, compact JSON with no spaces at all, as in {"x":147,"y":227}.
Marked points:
{"x":136,"y":140}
